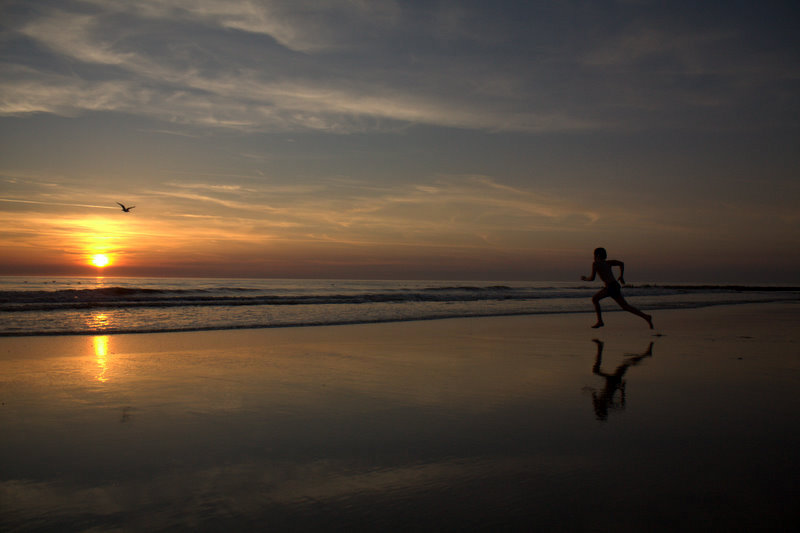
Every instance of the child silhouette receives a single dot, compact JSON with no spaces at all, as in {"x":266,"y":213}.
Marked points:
{"x":602,"y":267}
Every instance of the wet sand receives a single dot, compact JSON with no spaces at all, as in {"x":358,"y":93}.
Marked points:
{"x":511,"y":423}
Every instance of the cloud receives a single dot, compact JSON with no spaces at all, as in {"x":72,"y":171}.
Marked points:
{"x":71,"y":34}
{"x":452,"y":211}
{"x":212,"y":78}
{"x":28,"y":91}
{"x":298,"y":25}
{"x":54,"y":203}
{"x":347,"y":67}
{"x":640,"y":44}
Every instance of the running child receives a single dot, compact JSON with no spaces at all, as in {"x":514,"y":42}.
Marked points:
{"x":602,"y":267}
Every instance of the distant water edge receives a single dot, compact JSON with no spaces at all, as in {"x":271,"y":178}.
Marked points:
{"x":92,"y":306}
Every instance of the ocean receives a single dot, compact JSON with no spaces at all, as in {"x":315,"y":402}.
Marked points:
{"x":106,"y":305}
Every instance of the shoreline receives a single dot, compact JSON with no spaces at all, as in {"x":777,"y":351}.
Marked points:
{"x":608,"y":309}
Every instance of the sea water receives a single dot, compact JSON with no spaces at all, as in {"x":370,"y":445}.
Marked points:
{"x":68,"y":306}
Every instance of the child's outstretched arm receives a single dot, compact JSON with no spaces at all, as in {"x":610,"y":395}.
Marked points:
{"x":594,"y":272}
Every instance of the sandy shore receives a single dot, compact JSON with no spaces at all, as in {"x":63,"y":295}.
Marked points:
{"x":482,"y":423}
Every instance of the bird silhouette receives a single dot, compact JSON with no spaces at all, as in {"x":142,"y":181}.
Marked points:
{"x":126,"y":209}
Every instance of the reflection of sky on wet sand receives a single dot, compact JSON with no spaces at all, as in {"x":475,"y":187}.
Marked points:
{"x":388,"y":425}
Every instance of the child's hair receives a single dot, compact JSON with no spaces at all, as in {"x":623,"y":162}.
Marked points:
{"x":600,"y":253}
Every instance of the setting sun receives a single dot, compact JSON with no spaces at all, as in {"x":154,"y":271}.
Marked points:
{"x":100,"y":260}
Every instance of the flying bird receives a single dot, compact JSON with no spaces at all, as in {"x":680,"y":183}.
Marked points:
{"x":126,"y":209}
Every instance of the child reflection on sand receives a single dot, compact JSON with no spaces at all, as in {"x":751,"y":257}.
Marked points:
{"x":602,"y":267}
{"x":605,"y":400}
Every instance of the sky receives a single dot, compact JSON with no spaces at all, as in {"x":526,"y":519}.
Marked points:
{"x":379,"y":139}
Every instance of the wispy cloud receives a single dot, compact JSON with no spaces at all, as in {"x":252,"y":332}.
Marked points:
{"x":454,"y":210}
{"x":286,"y":21}
{"x":18,"y":201}
{"x":338,"y":67}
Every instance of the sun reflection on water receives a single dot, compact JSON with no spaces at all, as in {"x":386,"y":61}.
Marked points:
{"x":99,"y":321}
{"x":101,"y":356}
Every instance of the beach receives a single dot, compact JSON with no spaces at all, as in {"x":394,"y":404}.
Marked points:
{"x":516,"y":423}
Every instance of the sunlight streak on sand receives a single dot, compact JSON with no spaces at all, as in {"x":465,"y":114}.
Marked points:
{"x":101,"y":356}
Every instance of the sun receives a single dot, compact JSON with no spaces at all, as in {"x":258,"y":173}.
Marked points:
{"x":100,"y":260}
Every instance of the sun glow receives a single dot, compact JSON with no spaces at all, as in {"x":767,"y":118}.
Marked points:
{"x":100,"y":260}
